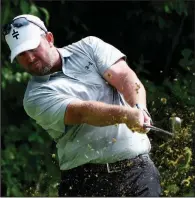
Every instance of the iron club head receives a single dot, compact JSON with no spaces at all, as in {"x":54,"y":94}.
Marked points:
{"x":175,"y":126}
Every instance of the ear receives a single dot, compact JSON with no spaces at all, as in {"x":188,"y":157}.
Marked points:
{"x":50,"y":39}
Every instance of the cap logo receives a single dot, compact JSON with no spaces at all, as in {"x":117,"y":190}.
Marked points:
{"x":15,"y":34}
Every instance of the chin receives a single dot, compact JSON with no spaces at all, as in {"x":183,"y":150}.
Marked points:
{"x":46,"y":70}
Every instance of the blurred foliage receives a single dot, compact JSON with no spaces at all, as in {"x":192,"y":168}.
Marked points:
{"x":156,"y":36}
{"x":175,"y":164}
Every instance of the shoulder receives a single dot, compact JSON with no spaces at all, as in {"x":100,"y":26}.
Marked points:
{"x":85,"y":45}
{"x":92,"y":40}
{"x":88,"y":41}
{"x":36,"y":82}
{"x":35,"y":88}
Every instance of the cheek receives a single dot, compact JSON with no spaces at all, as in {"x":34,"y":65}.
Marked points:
{"x":46,"y":56}
{"x":22,"y":62}
{"x":42,"y":54}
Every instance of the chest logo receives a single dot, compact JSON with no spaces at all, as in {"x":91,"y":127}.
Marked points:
{"x":87,"y":66}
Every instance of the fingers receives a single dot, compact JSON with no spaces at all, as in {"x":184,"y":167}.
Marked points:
{"x":136,"y":124}
{"x":141,"y":119}
{"x":139,"y":129}
{"x":137,"y":119}
{"x":147,"y":120}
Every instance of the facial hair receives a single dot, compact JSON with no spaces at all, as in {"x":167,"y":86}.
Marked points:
{"x":47,"y":68}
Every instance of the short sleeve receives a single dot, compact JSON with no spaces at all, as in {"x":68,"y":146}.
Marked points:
{"x":105,"y":55}
{"x":47,"y":106}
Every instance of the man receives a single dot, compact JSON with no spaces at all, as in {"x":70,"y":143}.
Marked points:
{"x":93,"y":105}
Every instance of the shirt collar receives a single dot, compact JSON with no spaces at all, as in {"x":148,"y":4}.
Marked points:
{"x":64,"y":53}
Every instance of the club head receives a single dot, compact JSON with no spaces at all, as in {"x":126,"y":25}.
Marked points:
{"x":175,"y":124}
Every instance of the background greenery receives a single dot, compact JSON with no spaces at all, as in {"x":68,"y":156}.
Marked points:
{"x":158,"y":39}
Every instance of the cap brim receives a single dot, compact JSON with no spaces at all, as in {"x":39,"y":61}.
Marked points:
{"x":27,"y":45}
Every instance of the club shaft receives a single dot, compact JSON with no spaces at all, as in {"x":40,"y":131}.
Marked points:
{"x":158,"y":129}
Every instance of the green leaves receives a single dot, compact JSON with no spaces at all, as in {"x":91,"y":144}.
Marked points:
{"x":180,"y":6}
{"x":140,"y":65}
{"x":187,"y":61}
{"x":46,"y":15}
{"x":173,"y":159}
{"x":5,"y":12}
{"x":167,"y":9}
{"x":186,"y":53}
{"x":36,"y":138}
{"x":9,"y":77}
{"x":34,"y":10}
{"x":27,"y":147}
{"x":23,"y":146}
{"x":161,"y":22}
{"x":24,"y":6}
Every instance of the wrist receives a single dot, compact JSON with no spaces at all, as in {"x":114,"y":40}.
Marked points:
{"x":143,"y":108}
{"x":127,"y":114}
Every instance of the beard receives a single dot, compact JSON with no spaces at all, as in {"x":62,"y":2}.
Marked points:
{"x":48,"y":64}
{"x":46,"y":69}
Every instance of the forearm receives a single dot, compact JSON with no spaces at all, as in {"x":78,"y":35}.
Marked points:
{"x":125,"y":80}
{"x":101,"y":114}
{"x":134,"y":93}
{"x":133,"y":90}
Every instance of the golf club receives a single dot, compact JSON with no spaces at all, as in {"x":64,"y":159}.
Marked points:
{"x":158,"y":129}
{"x":175,"y":124}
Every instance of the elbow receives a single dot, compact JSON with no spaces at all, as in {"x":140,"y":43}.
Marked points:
{"x":74,"y":113}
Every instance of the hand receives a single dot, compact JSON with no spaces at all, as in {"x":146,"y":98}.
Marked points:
{"x":147,"y":120}
{"x":135,"y":120}
{"x":147,"y":117}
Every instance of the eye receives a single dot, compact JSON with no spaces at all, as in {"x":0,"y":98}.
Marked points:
{"x":21,"y":54}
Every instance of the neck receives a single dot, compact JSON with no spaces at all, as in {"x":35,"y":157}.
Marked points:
{"x":58,"y":62}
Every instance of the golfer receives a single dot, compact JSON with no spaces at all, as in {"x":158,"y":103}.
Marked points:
{"x":86,"y":97}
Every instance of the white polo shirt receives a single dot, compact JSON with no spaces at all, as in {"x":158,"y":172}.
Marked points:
{"x":46,"y":99}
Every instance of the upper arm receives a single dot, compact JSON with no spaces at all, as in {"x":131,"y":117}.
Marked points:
{"x":111,"y":64}
{"x":104,"y":54}
{"x":118,"y":74}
